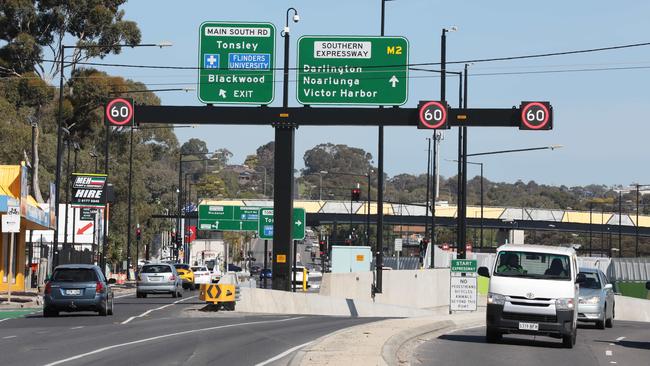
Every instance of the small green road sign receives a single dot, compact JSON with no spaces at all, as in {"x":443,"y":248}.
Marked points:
{"x":228,"y":218}
{"x":352,"y":70}
{"x":464,"y":265}
{"x":265,"y":230}
{"x":236,"y":62}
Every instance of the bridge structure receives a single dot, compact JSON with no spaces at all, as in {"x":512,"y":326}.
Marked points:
{"x":506,"y":218}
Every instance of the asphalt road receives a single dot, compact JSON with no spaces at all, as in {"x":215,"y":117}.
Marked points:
{"x":628,"y":343}
{"x":157,"y":331}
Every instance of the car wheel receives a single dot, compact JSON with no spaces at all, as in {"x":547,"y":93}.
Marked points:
{"x":568,"y":341}
{"x":103,"y":309}
{"x":175,"y":293}
{"x":110,"y":309}
{"x":49,"y":313}
{"x":492,"y":336}
{"x":180,"y":294}
{"x":609,"y":323}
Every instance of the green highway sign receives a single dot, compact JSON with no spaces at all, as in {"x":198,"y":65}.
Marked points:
{"x":236,"y":62}
{"x":265,"y":230}
{"x":464,"y":265}
{"x":352,"y":70}
{"x":228,"y":218}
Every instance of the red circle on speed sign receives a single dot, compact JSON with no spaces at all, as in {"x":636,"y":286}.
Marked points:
{"x":538,"y":121}
{"x":432,"y":107}
{"x":119,"y":111}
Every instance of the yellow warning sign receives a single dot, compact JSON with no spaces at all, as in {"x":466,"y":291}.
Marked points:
{"x":360,"y":257}
{"x":281,"y":258}
{"x":217,"y":293}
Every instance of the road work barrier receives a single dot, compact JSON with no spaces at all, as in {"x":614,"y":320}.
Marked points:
{"x":219,"y":295}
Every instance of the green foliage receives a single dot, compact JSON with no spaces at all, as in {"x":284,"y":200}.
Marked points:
{"x":26,"y":27}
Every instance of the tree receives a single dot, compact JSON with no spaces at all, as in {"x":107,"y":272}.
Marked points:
{"x":28,"y":26}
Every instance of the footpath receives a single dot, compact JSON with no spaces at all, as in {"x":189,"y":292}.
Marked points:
{"x":388,"y":342}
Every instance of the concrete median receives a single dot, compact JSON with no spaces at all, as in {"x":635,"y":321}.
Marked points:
{"x":633,"y":309}
{"x":279,"y":302}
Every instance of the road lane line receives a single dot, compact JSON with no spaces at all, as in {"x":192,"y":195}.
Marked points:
{"x":156,"y":309}
{"x":4,"y":320}
{"x":608,"y":353}
{"x":79,"y":327}
{"x":613,"y":362}
{"x":9,"y":337}
{"x":283,"y":354}
{"x":122,"y":296}
{"x":620,"y":339}
{"x":169,"y":335}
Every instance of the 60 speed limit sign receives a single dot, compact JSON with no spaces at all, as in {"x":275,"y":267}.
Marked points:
{"x":536,"y":116}
{"x":432,"y":115}
{"x":119,"y":112}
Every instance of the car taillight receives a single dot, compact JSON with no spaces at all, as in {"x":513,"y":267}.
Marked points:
{"x":48,"y":288}
{"x":172,"y":278}
{"x":99,"y":288}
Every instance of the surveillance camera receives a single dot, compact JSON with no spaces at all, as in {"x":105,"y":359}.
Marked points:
{"x":296,"y":18}
{"x":453,"y":28}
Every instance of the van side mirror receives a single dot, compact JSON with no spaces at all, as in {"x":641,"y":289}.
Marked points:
{"x":609,"y":286}
{"x":581,"y":278}
{"x":484,"y":271}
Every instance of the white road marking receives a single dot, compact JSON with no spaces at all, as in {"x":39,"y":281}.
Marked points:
{"x":8,"y":337}
{"x":79,"y":327}
{"x":283,"y":354}
{"x":608,"y":353}
{"x":620,"y":339}
{"x":614,"y":362}
{"x":121,"y":296}
{"x":144,"y":340}
{"x":158,"y":308}
{"x":4,"y":320}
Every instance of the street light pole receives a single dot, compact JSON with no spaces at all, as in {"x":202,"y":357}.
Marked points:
{"x":128,"y":225}
{"x":620,"y":224}
{"x":426,"y":200}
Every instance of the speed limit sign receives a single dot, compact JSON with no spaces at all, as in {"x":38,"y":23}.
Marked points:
{"x":119,"y":112}
{"x":536,"y":116}
{"x":432,"y":115}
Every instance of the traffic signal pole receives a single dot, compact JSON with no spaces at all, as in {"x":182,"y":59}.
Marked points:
{"x":283,"y":186}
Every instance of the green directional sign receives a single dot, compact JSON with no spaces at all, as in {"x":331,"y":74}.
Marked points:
{"x":236,"y":62}
{"x":265,"y":230}
{"x":228,"y":218}
{"x":464,"y":265}
{"x":352,"y":70}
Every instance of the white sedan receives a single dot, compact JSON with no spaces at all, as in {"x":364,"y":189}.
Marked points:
{"x":201,"y":276}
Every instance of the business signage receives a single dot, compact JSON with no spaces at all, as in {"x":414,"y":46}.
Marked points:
{"x":88,"y":190}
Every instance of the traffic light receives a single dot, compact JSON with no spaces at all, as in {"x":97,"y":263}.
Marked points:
{"x":356,"y":194}
{"x":138,"y":234}
{"x":536,"y":116}
{"x":322,"y":247}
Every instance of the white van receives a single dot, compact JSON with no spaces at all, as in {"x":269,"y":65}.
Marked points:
{"x":533,"y":290}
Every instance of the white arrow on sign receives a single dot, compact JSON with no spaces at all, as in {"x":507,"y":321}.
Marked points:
{"x":298,"y":223}
{"x":222,"y":93}
{"x":394,"y":80}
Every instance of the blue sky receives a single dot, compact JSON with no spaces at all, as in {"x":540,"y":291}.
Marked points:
{"x":601,"y":117}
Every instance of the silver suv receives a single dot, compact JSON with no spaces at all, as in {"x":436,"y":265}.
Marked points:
{"x":159,"y":278}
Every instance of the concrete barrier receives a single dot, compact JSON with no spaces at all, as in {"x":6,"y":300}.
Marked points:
{"x":425,"y":288}
{"x":633,"y":309}
{"x":281,"y":302}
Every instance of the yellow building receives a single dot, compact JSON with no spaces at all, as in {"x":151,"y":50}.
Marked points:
{"x":14,"y":192}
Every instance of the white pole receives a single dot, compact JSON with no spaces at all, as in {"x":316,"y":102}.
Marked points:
{"x":11,"y":263}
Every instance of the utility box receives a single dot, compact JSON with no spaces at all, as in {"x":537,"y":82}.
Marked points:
{"x":347,"y":259}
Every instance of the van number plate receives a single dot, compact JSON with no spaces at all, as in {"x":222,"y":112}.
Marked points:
{"x":529,"y":326}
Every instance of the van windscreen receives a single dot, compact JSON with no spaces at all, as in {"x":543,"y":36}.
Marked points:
{"x":533,"y":265}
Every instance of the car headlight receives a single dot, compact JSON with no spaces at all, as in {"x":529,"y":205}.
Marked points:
{"x":589,"y":300}
{"x":564,"y":304}
{"x":496,"y":299}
